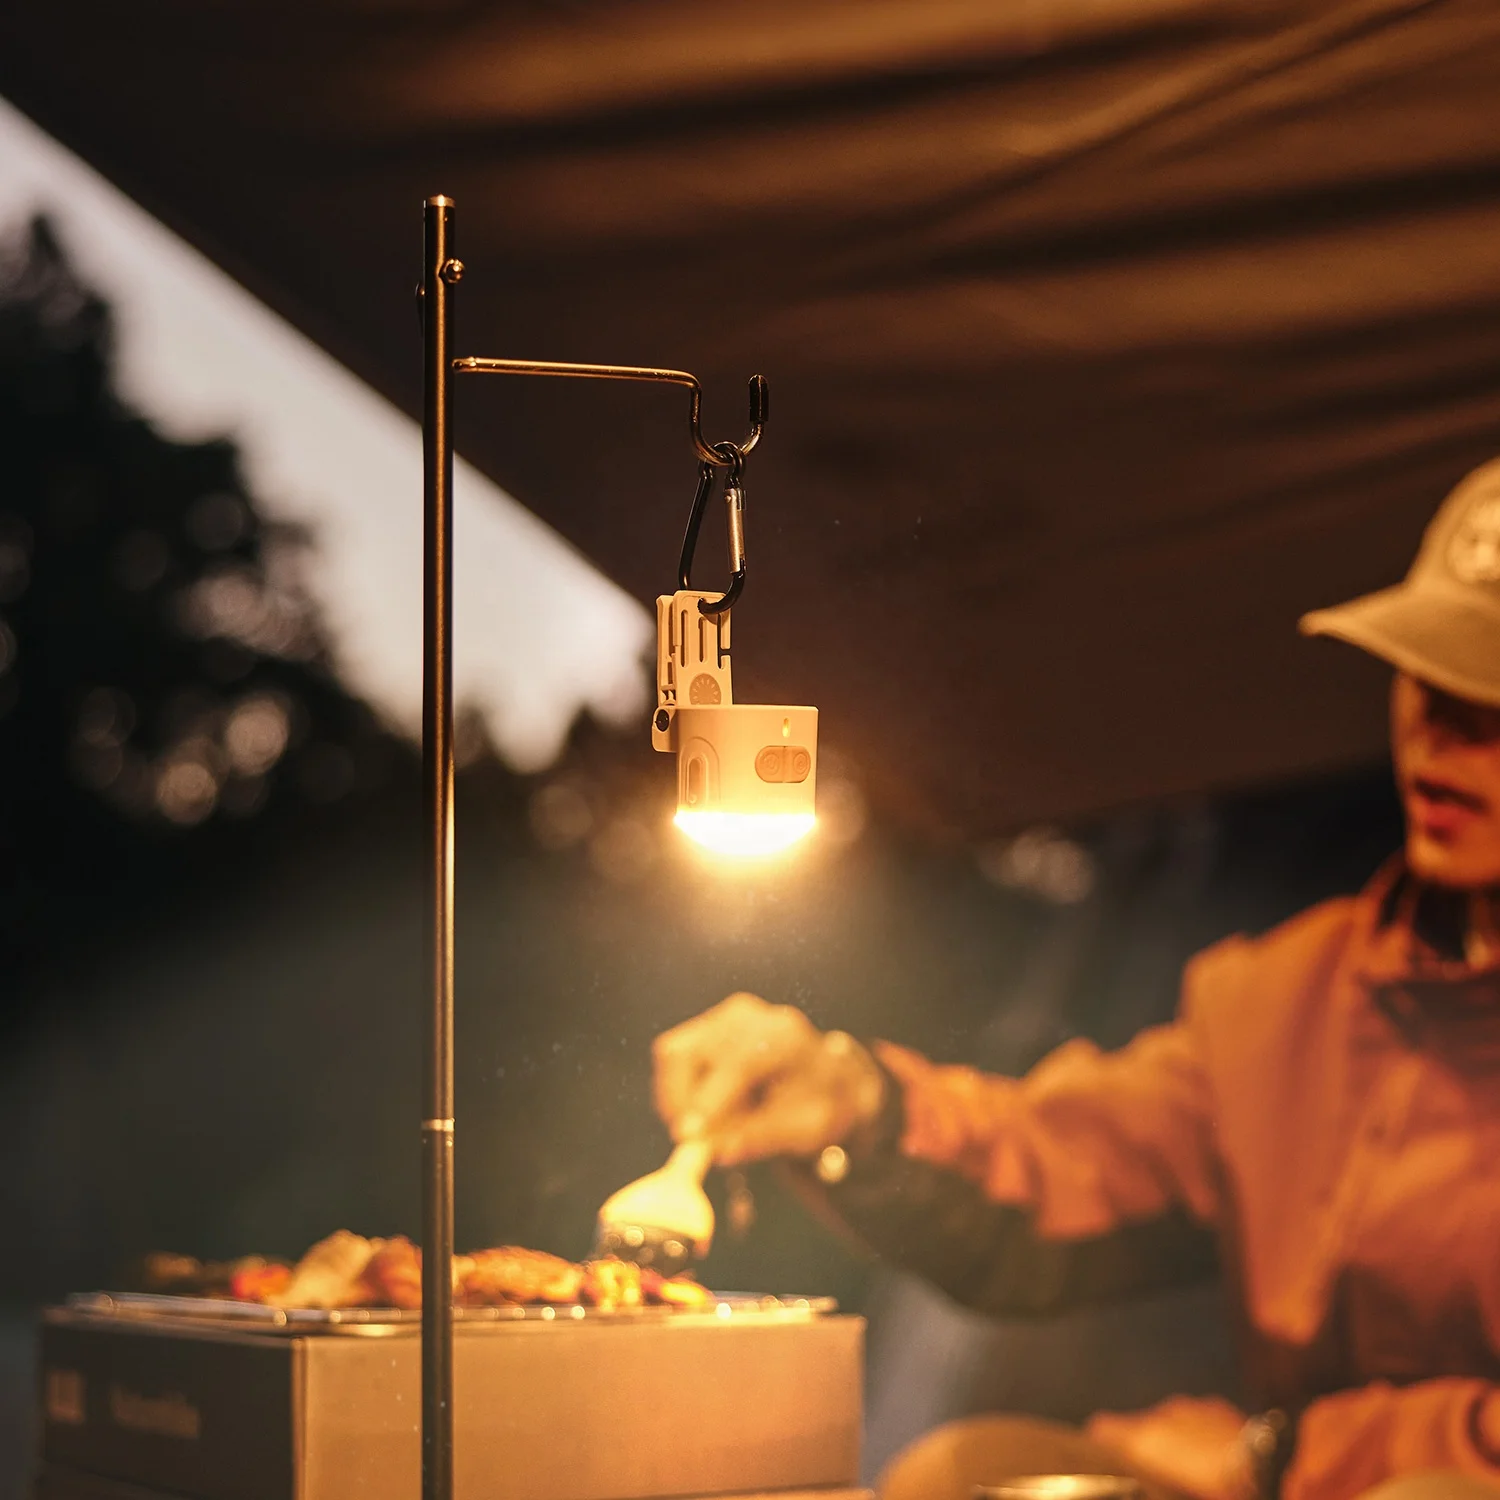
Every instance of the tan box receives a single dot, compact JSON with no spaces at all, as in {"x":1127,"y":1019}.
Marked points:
{"x":689,"y":1405}
{"x":54,"y":1482}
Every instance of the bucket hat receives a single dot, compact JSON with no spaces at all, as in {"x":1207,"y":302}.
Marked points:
{"x":1441,"y":623}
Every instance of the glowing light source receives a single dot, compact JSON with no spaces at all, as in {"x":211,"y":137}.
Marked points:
{"x":744,"y":835}
{"x":746,"y":772}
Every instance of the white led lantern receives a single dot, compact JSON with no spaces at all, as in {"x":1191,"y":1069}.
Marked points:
{"x":746,"y":772}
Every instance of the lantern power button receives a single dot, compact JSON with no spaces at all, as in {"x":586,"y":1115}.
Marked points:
{"x":783,"y":763}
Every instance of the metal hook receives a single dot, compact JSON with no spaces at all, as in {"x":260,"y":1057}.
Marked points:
{"x":760,"y":411}
{"x":732,"y":458}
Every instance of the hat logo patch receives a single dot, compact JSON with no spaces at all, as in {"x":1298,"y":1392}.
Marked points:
{"x":1474,"y":552}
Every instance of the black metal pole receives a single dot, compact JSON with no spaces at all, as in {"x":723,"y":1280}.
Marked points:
{"x":440,"y":272}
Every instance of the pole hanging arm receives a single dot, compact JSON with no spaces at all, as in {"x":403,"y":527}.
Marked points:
{"x":760,"y":396}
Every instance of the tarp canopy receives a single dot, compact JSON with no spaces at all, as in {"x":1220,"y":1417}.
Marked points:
{"x":1104,"y":336}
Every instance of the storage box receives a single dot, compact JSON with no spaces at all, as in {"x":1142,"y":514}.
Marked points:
{"x":607,"y":1409}
{"x":54,"y":1482}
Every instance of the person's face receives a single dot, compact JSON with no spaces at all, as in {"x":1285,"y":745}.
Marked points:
{"x":1447,"y":755}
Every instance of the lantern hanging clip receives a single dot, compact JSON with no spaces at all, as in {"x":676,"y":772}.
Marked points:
{"x":732,"y":457}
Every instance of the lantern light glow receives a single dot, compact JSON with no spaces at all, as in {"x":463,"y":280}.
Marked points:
{"x":746,"y":772}
{"x":744,"y":835}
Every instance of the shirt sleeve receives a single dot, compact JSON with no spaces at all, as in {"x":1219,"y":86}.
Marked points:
{"x":1355,"y":1439}
{"x":1092,"y":1179}
{"x":1087,"y":1141}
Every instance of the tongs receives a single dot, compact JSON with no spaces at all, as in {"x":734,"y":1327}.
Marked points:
{"x":663,"y":1221}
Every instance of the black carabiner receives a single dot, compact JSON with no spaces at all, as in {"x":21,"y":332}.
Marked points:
{"x":732,"y":458}
{"x":706,"y":473}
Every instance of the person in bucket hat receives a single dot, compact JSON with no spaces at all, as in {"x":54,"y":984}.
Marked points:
{"x":1440,"y":628}
{"x":1321,"y":1122}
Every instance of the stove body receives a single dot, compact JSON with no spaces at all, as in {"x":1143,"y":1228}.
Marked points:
{"x":743,"y":1399}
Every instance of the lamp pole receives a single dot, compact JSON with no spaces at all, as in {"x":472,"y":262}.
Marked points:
{"x":439,"y":275}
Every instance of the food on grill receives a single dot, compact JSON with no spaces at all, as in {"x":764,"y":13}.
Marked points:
{"x":616,"y":1283}
{"x":393,"y":1275}
{"x":347,"y":1270}
{"x":329,"y":1275}
{"x":259,"y":1282}
{"x":182,"y":1275}
{"x":513,"y":1275}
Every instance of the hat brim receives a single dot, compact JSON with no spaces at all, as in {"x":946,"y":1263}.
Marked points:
{"x":1444,"y":638}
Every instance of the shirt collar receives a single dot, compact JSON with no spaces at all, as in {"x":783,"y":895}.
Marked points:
{"x":1411,"y":938}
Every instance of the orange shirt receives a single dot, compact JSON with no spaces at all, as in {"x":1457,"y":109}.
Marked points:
{"x":1324,"y":1113}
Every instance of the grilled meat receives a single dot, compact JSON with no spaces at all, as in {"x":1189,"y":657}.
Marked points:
{"x":329,"y":1274}
{"x":347,"y":1270}
{"x":491,"y":1277}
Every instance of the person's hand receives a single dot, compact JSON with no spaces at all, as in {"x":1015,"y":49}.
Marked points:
{"x":1487,"y":1424}
{"x":759,"y":1080}
{"x":1188,"y":1444}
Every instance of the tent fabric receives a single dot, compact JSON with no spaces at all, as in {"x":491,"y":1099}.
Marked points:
{"x":1104,"y":336}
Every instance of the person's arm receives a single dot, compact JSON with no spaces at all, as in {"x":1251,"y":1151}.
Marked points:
{"x":1091,"y":1179}
{"x":1352,"y":1440}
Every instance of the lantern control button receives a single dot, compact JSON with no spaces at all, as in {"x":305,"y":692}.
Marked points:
{"x":783,"y":763}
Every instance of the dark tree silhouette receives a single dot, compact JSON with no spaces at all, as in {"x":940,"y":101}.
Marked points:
{"x":165,"y":696}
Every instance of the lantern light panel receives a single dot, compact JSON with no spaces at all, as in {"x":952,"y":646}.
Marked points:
{"x":746,"y":772}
